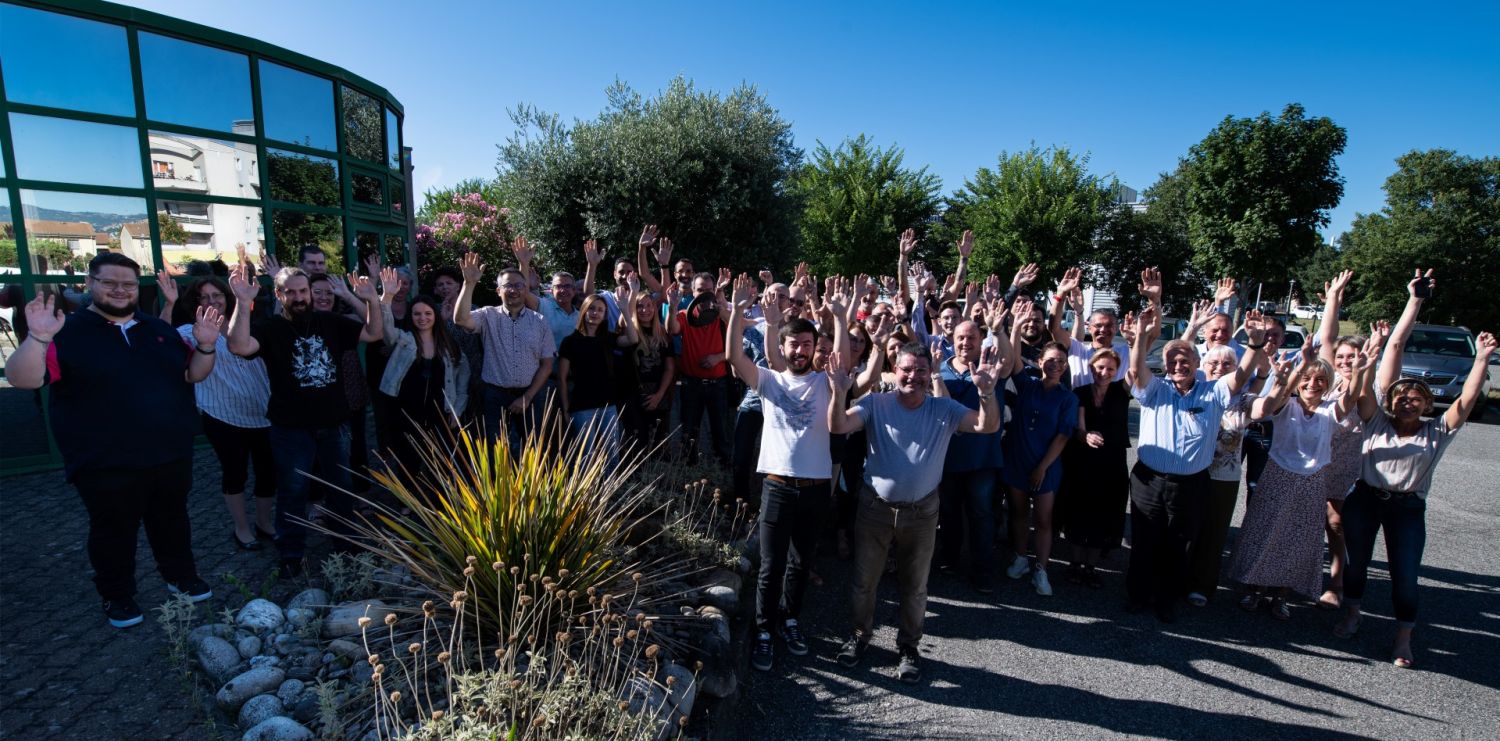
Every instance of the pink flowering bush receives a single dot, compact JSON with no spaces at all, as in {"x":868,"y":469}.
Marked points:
{"x":470,"y":223}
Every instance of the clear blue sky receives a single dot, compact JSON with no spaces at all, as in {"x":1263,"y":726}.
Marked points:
{"x":1132,"y":84}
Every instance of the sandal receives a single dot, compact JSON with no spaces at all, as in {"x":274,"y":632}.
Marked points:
{"x":1330,"y":600}
{"x":1280,"y":610}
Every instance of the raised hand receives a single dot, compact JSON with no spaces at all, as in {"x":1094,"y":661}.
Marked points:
{"x":987,"y":374}
{"x":167,"y":286}
{"x":524,"y":252}
{"x":770,"y":308}
{"x":648,"y":236}
{"x":884,"y":328}
{"x":1150,"y":286}
{"x":1146,"y":322}
{"x":995,"y":315}
{"x":766,"y":279}
{"x":726,"y":277}
{"x":632,"y":287}
{"x":935,"y":349}
{"x":372,"y":264}
{"x":908,"y":242}
{"x":362,"y":287}
{"x":1255,"y":327}
{"x":1417,"y":278}
{"x":673,"y":293}
{"x":1380,"y":330}
{"x":889,"y":283}
{"x":206,"y":328}
{"x":1486,"y":344}
{"x":1075,"y":300}
{"x":239,"y":253}
{"x":1127,"y":327}
{"x":1224,"y":290}
{"x":966,"y":244}
{"x":839,"y":380}
{"x":42,"y":319}
{"x":744,"y":289}
{"x":268,"y":264}
{"x":1339,"y":283}
{"x":992,"y":290}
{"x":1071,"y":279}
{"x":390,"y":284}
{"x":800,"y":273}
{"x":663,"y":253}
{"x":1026,"y":275}
{"x":591,"y":252}
{"x":971,"y":294}
{"x":241,"y":285}
{"x":1020,"y":311}
{"x":471,"y":267}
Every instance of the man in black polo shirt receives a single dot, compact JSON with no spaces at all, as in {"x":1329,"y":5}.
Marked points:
{"x":114,"y":362}
{"x":308,"y":410}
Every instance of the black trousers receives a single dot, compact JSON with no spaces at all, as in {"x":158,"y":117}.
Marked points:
{"x":118,"y":501}
{"x":1166,"y":511}
{"x":790,"y":519}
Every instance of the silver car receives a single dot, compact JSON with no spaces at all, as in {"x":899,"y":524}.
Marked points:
{"x":1442,"y":357}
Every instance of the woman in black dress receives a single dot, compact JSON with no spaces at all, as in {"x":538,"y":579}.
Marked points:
{"x":1096,"y":481}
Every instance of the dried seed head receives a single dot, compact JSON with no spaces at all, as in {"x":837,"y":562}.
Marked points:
{"x":390,"y":618}
{"x":443,"y":657}
{"x":460,"y":596}
{"x":526,"y":558}
{"x":396,"y":696}
{"x":364,"y":622}
{"x":515,"y":683}
{"x":373,"y":659}
{"x":500,"y":654}
{"x":632,"y":634}
{"x":515,"y":570}
{"x":671,"y":681}
{"x":636,"y":577}
{"x":468,"y":571}
{"x":414,"y":648}
{"x":697,"y":666}
{"x":471,"y":560}
{"x":438,"y":714}
{"x":498,"y":565}
{"x":682,"y":722}
{"x":428,"y":608}
{"x":563,"y":573}
{"x":652,"y":650}
{"x":648,"y":625}
{"x":591,"y":591}
{"x":379,"y":669}
{"x":573,"y":594}
{"x":624,"y":705}
{"x":525,"y":600}
{"x":618,"y":641}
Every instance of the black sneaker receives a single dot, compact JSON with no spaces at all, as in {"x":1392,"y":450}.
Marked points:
{"x":851,"y":652}
{"x":290,"y":568}
{"x":791,"y":635}
{"x":909,"y":670}
{"x":123,"y":613}
{"x":195,"y":588}
{"x":762,"y":653}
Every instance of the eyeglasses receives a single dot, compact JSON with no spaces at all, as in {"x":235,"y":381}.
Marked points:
{"x":118,"y":285}
{"x":512,"y":286}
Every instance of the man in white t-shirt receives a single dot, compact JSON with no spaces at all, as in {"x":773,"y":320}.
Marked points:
{"x":794,"y":458}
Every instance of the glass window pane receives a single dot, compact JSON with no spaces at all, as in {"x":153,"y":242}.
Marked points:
{"x":194,"y":164}
{"x":66,"y":62}
{"x":362,"y":126}
{"x":68,"y":151}
{"x":196,"y":85}
{"x":65,"y":230}
{"x":398,"y":197}
{"x":295,"y":228}
{"x":395,"y":250}
{"x":10,"y":260}
{"x":300,"y":178}
{"x":366,"y":244}
{"x":297,"y":107}
{"x":392,"y":140}
{"x":207,"y":231}
{"x":367,"y":190}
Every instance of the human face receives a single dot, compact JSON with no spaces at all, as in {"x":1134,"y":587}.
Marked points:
{"x":913,"y":374}
{"x":822,"y":354}
{"x":892,"y":346}
{"x":976,"y":311}
{"x":798,"y":349}
{"x":1054,"y":364}
{"x":299,"y":298}
{"x":623,"y":271}
{"x":444,"y":287}
{"x":115,"y":291}
{"x":796,"y":303}
{"x":702,"y":286}
{"x":645,"y":311}
{"x":1312,"y":387}
{"x":512,"y":290}
{"x":1219,"y":366}
{"x":594,"y":315}
{"x":1033,"y":327}
{"x":856,"y":344}
{"x":1275,"y":335}
{"x":1344,"y":360}
{"x":562,"y":290}
{"x":1218,"y":330}
{"x":1102,"y":329}
{"x":1181,"y":366}
{"x":423,"y":317}
{"x":948,"y":319}
{"x":404,"y":289}
{"x":314,"y":263}
{"x":967,"y":341}
{"x":1104,"y":370}
{"x":1408,"y":405}
{"x":684,"y":272}
{"x":210,"y":295}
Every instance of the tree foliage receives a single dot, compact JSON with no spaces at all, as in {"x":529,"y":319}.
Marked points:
{"x":857,"y":199}
{"x":469,"y":222}
{"x":1038,"y":206}
{"x":1442,"y":211}
{"x":170,"y":230}
{"x":711,"y":170}
{"x":1131,"y":241}
{"x":1257,"y":191}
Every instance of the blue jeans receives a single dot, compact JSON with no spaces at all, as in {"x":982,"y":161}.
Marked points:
{"x":593,"y":427}
{"x":497,"y":401}
{"x":747,"y":427}
{"x":321,"y":452}
{"x":700,"y":395}
{"x":790,"y":519}
{"x":968,"y":494}
{"x":1404,"y":521}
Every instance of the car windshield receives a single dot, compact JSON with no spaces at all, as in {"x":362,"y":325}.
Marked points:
{"x":1431,"y":342}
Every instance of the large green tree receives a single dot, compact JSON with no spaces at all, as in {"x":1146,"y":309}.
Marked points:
{"x":1039,"y":206}
{"x":1257,"y":190}
{"x":711,"y":170}
{"x":856,"y":201}
{"x":1442,"y":212}
{"x":1132,"y":240}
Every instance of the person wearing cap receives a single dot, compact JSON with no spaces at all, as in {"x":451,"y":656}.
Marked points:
{"x":1400,"y":452}
{"x":704,"y":374}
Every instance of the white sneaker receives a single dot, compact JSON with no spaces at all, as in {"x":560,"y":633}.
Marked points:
{"x":1018,"y":567}
{"x":1039,"y":580}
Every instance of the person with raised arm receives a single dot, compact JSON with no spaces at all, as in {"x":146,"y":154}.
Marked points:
{"x":1169,"y":484}
{"x":1102,"y":327}
{"x":1095,"y":487}
{"x":113,"y":362}
{"x":1206,"y":555}
{"x":907,"y":437}
{"x":518,"y":350}
{"x":701,"y":368}
{"x":586,"y":374}
{"x":308,"y":409}
{"x":1400,"y":452}
{"x":1043,"y":417}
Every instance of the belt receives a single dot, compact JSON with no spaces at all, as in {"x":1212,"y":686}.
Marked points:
{"x":902,"y":506}
{"x":1384,"y":494}
{"x":796,"y":482}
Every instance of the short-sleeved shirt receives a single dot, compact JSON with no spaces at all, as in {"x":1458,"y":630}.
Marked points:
{"x":1037,"y":416}
{"x":906,"y":447}
{"x":651,"y":363}
{"x":304,"y":365}
{"x":591,"y":369}
{"x":969,"y":451}
{"x":1228,"y":461}
{"x":237,"y":391}
{"x":562,"y":323}
{"x":794,"y":440}
{"x":1397,"y":463}
{"x":698,"y":342}
{"x":1079,"y":356}
{"x":1178,"y":431}
{"x":514,"y":346}
{"x":1303,"y":443}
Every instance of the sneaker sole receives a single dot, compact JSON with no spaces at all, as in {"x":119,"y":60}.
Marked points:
{"x":131,"y":622}
{"x":194,"y":597}
{"x":760,"y":667}
{"x":802,"y":651}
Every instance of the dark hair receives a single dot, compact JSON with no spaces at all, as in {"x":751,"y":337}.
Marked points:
{"x":1058,"y":346}
{"x":859,"y":328}
{"x":946,"y":305}
{"x":682,"y":260}
{"x":112,"y":258}
{"x":449,"y":271}
{"x":191,"y":296}
{"x":795,"y":327}
{"x":441,"y":339}
{"x":306,"y":249}
{"x":710,"y":277}
{"x":916,"y":350}
{"x":311,"y":279}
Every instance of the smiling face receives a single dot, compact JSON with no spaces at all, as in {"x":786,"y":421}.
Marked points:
{"x":593,"y":314}
{"x":1218,"y":330}
{"x":623,"y":270}
{"x":798,"y":349}
{"x":1313,"y":386}
{"x":423,"y":316}
{"x":1102,"y":329}
{"x":1181,"y":365}
{"x":1345,"y":357}
{"x":948,"y":320}
{"x":445,"y":287}
{"x":1407,"y":404}
{"x":115,"y":290}
{"x":563,"y":290}
{"x":645,"y":311}
{"x":1054,"y":364}
{"x":1219,"y":364}
{"x":967,"y":341}
{"x":913,"y":374}
{"x":683,"y":271}
{"x":315,"y":297}
{"x":1104,"y":369}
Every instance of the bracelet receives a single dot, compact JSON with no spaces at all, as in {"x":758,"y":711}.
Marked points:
{"x":1058,"y":297}
{"x":201,"y":351}
{"x":987,"y":397}
{"x":1255,"y":347}
{"x":45,"y":342}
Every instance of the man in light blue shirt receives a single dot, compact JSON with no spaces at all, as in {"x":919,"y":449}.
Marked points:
{"x":1180,"y":417}
{"x":560,"y":308}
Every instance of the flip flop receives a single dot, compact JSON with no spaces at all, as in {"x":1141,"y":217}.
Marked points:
{"x":1401,"y":662}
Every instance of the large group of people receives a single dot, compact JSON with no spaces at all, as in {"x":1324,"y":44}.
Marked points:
{"x":909,"y":419}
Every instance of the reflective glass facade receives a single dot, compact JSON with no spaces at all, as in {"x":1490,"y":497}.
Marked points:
{"x":171,"y":142}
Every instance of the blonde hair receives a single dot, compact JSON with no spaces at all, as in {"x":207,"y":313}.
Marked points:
{"x":1105,"y":352}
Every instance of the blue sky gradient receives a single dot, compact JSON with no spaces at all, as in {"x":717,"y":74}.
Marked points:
{"x":1133,"y":85}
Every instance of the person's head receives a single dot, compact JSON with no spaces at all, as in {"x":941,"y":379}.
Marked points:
{"x":683,"y":270}
{"x":703,"y":283}
{"x":114,"y":284}
{"x":212,"y":292}
{"x":799,"y":342}
{"x":623,"y":270}
{"x":445,"y":282}
{"x":1105,"y":365}
{"x":823,"y":351}
{"x":1407,"y":400}
{"x":968,"y":339}
{"x":949,"y":315}
{"x":1102,"y":327}
{"x":913,"y":369}
{"x":403,"y":289}
{"x":1033,"y":328}
{"x":648,"y":319}
{"x":296,"y":293}
{"x":1275,"y":334}
{"x":1346,"y":354}
{"x":564,"y":288}
{"x":1054,"y":361}
{"x":1219,"y":361}
{"x":796,"y":302}
{"x":1316,"y":378}
{"x":976,"y":310}
{"x":1180,"y":363}
{"x":511,"y":285}
{"x":893,"y":344}
{"x":1218,"y":330}
{"x":859,"y":343}
{"x":591,"y":315}
{"x":426,"y":314}
{"x":312,"y":259}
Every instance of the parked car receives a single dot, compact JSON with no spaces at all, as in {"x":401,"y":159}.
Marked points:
{"x":1308,"y":311}
{"x":1442,"y":358}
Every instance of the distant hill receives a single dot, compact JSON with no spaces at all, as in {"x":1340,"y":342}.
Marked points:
{"x":100,"y":222}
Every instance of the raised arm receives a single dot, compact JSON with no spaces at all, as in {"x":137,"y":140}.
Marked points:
{"x":1150,"y":289}
{"x":525,"y":254}
{"x":672,"y":295}
{"x":734,"y":337}
{"x":642,"y":247}
{"x":472,"y":269}
{"x":1367,"y":404}
{"x":986,"y":418}
{"x":629,"y":336}
{"x":592,"y":256}
{"x":1255,"y":351}
{"x":1281,"y":389}
{"x":1224,"y":291}
{"x":356,"y":304}
{"x":903,"y":262}
{"x":1070,"y":280}
{"x":205,"y":336}
{"x":1145,"y":324}
{"x":1333,"y":300}
{"x":663,"y":255}
{"x":841,"y":420}
{"x":1202,"y":312}
{"x":965,"y":248}
{"x":1390,"y":361}
{"x":390,"y":282}
{"x":1467,"y":399}
{"x":168,"y":288}
{"x":374,"y":329}
{"x":876,"y":362}
{"x":27,"y":366}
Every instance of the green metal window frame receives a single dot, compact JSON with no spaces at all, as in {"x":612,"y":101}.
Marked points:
{"x":386,"y":219}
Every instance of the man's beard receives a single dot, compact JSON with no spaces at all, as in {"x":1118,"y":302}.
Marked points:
{"x":126,"y":312}
{"x":299,"y":308}
{"x":800,"y":363}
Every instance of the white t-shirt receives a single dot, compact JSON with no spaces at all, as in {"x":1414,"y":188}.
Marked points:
{"x":1303,"y":442}
{"x":1397,"y":463}
{"x":794,"y":440}
{"x":1079,"y":355}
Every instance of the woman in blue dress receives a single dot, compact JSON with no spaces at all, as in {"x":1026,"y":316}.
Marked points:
{"x":1043,"y":416}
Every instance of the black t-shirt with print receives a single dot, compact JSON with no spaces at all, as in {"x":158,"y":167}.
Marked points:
{"x":303,"y":363}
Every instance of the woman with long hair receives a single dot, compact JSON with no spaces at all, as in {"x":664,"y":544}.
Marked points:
{"x":656,"y":369}
{"x":586,"y":373}
{"x":1096,"y":479}
{"x":232,"y":402}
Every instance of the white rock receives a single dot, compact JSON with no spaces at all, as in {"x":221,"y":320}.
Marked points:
{"x":215,"y":630}
{"x":311,"y":599}
{"x":289,"y":691}
{"x":343,"y":620}
{"x":260,"y":614}
{"x":257,"y":681}
{"x":248,"y":646}
{"x":724,"y":598}
{"x":257,"y":709}
{"x":723,"y":578}
{"x":217,"y":657}
{"x":279,"y":728}
{"x":348,"y":649}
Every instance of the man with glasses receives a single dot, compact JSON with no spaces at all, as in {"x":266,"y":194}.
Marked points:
{"x":1102,"y":326}
{"x":518,"y":350}
{"x":112,"y":367}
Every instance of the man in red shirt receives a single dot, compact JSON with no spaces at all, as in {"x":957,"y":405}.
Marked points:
{"x":702,"y":370}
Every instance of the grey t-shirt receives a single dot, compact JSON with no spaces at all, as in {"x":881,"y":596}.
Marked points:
{"x":906,"y":446}
{"x":1404,"y":464}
